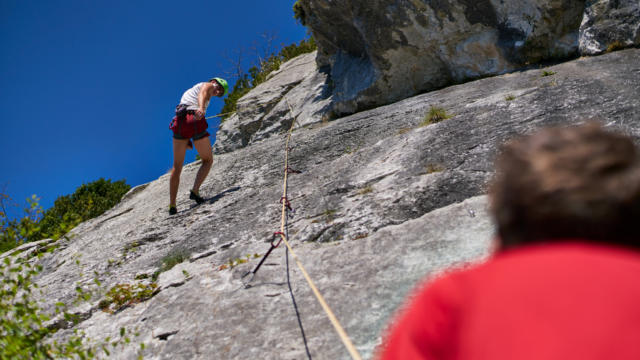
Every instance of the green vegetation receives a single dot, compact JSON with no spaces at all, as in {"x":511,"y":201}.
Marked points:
{"x":350,"y":150}
{"x":235,"y":262}
{"x":258,"y":74}
{"x":329,"y":215}
{"x":88,"y":201}
{"x":25,"y":328}
{"x":435,"y":115}
{"x":14,"y":232}
{"x":174,"y":258}
{"x":616,"y":45}
{"x":509,"y":97}
{"x":124,"y":295}
{"x":434,"y":168}
{"x":365,"y":190}
{"x":132,"y":246}
{"x":22,"y":322}
{"x":299,"y":14}
{"x":141,"y":276}
{"x":359,"y":236}
{"x":547,"y":73}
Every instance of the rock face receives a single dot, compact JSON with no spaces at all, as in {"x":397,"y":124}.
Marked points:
{"x":374,"y":53}
{"x":609,"y":24}
{"x":378,"y":52}
{"x":259,"y":113}
{"x":382,"y":201}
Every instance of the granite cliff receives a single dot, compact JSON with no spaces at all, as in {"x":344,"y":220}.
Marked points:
{"x":381,"y":51}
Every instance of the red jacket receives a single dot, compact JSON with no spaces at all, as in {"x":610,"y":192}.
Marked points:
{"x":566,"y":300}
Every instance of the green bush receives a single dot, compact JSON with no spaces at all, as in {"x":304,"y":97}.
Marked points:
{"x":173,"y":258}
{"x":299,"y":14}
{"x":124,"y":295}
{"x":14,"y":232}
{"x":293,"y":50}
{"x":23,"y":329}
{"x":435,"y":115}
{"x":616,"y":45}
{"x":258,"y":74}
{"x":88,"y":201}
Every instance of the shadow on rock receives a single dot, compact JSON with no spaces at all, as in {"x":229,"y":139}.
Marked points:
{"x":217,"y":197}
{"x":221,"y":195}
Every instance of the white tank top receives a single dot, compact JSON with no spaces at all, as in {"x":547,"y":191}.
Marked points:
{"x":190,"y":98}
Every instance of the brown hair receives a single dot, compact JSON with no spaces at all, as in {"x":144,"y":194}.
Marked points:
{"x":567,"y":183}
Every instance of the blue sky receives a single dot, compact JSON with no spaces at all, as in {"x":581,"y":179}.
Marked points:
{"x":87,"y":88}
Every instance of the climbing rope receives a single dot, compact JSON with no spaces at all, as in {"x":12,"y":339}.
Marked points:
{"x":267,"y":104}
{"x":286,"y":206}
{"x":219,"y":115}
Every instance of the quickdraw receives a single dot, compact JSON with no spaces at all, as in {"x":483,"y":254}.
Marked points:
{"x":273,"y":246}
{"x":287,"y":203}
{"x":291,"y":171}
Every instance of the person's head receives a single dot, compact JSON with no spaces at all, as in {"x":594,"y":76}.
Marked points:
{"x":579,"y":182}
{"x":221,"y":86}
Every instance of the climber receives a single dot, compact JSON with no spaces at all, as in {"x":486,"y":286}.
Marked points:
{"x":563,"y":283}
{"x":190,"y":123}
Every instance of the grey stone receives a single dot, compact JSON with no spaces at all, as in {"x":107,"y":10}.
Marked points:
{"x":375,"y":53}
{"x":264,"y":111}
{"x":381,"y":203}
{"x":26,"y":249}
{"x":382,"y":51}
{"x":609,"y":24}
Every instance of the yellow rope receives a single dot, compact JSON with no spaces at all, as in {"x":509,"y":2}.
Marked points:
{"x":233,"y":112}
{"x":219,"y":115}
{"x":336,"y":324}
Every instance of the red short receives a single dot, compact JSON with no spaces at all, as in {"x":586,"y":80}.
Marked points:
{"x":187,"y":127}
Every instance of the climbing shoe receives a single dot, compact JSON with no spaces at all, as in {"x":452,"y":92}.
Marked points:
{"x":173,"y":210}
{"x":193,"y":196}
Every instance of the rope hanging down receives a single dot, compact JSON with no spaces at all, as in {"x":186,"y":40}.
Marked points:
{"x":286,"y":205}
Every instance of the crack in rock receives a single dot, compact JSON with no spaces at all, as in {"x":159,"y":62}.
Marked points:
{"x":226,"y":246}
{"x":166,"y":335}
{"x":113,"y":217}
{"x":202,"y":255}
{"x":63,"y":324}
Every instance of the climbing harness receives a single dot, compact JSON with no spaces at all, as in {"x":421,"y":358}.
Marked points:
{"x":286,"y":206}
